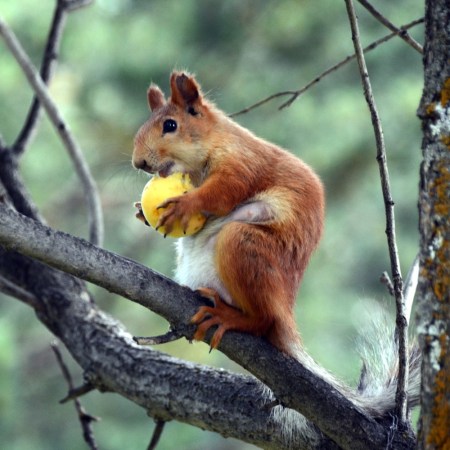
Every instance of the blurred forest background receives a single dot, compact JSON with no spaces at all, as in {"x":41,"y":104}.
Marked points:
{"x":241,"y":52}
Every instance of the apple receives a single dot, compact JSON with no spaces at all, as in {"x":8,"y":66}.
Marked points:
{"x":159,"y":189}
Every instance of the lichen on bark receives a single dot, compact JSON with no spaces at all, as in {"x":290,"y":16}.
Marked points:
{"x":434,"y":209}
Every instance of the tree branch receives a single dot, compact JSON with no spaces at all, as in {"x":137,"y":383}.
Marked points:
{"x":47,"y":67}
{"x":323,"y":405}
{"x":73,"y":5}
{"x":78,"y":392}
{"x":401,"y":33}
{"x":295,"y":94}
{"x":19,"y":293}
{"x":217,"y":400}
{"x":85,"y":419}
{"x":170,"y":336}
{"x":81,"y":167}
{"x":386,"y":280}
{"x":12,"y":182}
{"x":402,"y":323}
{"x":159,"y":427}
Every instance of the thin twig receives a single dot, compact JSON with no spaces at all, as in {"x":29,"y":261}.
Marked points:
{"x":385,"y":279}
{"x":81,"y":167}
{"x":157,"y":432}
{"x":401,"y":33}
{"x":266,"y":100}
{"x":170,"y":336}
{"x":295,"y":94}
{"x":85,"y":419}
{"x":47,"y":68}
{"x":73,"y":5}
{"x":401,"y":322}
{"x":21,"y":294}
{"x":63,"y":7}
{"x":77,"y":392}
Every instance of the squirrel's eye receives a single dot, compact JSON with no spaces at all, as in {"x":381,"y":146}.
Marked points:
{"x":169,"y":126}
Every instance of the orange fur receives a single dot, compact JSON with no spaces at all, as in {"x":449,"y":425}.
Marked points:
{"x":259,"y":262}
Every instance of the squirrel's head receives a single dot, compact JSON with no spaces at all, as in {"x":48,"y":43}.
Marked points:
{"x":175,"y":137}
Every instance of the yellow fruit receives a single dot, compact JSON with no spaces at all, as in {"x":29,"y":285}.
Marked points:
{"x":159,"y":189}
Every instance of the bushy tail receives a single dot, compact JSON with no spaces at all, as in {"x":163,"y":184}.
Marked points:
{"x":378,"y":381}
{"x":377,"y":386}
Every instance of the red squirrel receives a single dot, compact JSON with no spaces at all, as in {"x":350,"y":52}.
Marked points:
{"x":265,"y":210}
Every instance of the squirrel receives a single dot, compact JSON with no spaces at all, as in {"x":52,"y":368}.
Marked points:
{"x":265,"y":210}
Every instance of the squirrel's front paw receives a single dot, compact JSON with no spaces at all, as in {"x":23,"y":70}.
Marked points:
{"x":176,"y":208}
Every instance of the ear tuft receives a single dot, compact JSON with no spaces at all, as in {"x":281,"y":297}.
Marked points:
{"x":155,"y":97}
{"x":185,"y":90}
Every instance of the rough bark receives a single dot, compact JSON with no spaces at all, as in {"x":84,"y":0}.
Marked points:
{"x":168,"y":388}
{"x":434,"y":208}
{"x":230,"y":404}
{"x":292,"y":384}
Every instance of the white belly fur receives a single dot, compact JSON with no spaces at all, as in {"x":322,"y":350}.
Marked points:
{"x":195,"y":263}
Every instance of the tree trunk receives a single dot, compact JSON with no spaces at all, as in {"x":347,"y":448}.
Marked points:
{"x":434,"y":208}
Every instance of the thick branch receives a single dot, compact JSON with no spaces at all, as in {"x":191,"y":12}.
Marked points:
{"x":314,"y":398}
{"x":402,"y":323}
{"x":12,"y":182}
{"x":232,"y":405}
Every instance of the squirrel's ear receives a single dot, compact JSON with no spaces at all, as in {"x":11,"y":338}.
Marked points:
{"x":155,"y":97}
{"x":185,"y":90}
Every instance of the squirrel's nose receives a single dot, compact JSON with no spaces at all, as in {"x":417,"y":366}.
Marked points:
{"x":141,"y":164}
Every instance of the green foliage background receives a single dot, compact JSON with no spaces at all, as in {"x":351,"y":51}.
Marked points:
{"x":241,"y":51}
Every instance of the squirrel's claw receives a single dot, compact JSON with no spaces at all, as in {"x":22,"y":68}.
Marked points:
{"x":208,"y":316}
{"x":168,"y":202}
{"x":176,"y":208}
{"x":140,"y":215}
